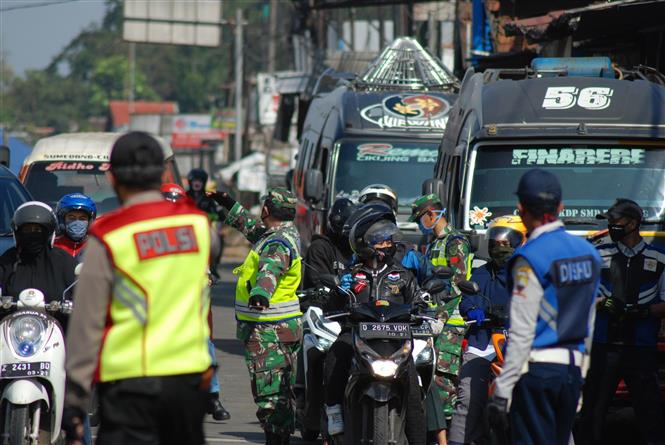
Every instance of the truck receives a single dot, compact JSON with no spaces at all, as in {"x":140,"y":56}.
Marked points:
{"x":599,"y":127}
{"x":381,"y":127}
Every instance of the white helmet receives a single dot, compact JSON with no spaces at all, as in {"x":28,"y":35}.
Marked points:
{"x":379,"y":192}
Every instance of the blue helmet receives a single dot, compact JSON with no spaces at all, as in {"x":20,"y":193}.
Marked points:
{"x":75,"y":201}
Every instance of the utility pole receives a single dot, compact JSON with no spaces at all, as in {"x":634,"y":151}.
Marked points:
{"x":431,"y":33}
{"x":272,"y":36}
{"x":239,"y":82}
{"x":132,"y":77}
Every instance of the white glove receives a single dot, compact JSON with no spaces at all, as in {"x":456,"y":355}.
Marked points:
{"x":437,"y":326}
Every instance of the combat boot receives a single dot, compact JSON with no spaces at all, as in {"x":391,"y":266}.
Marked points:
{"x":216,"y":408}
{"x":273,"y":438}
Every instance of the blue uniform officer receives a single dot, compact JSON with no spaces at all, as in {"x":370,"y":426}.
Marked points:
{"x":554,"y":279}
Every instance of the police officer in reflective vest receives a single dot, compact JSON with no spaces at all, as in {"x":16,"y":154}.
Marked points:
{"x":139,"y":324}
{"x":627,"y":324}
{"x":267,"y":308}
{"x":554,"y":279}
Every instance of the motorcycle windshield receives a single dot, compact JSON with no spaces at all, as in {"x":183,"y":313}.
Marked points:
{"x":592,"y":176}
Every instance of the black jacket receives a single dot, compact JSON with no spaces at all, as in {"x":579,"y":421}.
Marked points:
{"x":393,"y":283}
{"x":51,"y":271}
{"x":323,"y":257}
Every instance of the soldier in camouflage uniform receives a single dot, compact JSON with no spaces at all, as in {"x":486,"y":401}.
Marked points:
{"x":448,"y":248}
{"x":267,"y":308}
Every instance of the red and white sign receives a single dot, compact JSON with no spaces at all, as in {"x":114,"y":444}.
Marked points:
{"x":191,"y":130}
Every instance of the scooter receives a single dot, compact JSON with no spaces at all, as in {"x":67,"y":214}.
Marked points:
{"x":376,"y":394}
{"x":32,"y":368}
{"x":319,"y":334}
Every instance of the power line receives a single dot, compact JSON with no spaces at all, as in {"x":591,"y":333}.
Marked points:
{"x":35,"y":5}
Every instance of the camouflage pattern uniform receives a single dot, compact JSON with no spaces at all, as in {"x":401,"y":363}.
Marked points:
{"x":451,"y":248}
{"x":271,"y":348}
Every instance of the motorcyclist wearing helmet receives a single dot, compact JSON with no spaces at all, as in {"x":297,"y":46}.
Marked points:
{"x":374,"y":277}
{"x":383,"y":194}
{"x":75,"y":213}
{"x":172,"y":192}
{"x":329,"y":253}
{"x":197,"y":179}
{"x":33,"y":262}
{"x":504,"y":234}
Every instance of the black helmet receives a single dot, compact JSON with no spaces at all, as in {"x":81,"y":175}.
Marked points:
{"x":369,"y":225}
{"x":35,"y":212}
{"x":339,"y":213}
{"x":198,"y":173}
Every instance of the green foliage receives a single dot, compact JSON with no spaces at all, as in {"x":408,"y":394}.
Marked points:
{"x":94,"y":69}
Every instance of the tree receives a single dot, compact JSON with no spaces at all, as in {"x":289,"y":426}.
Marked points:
{"x":108,"y":81}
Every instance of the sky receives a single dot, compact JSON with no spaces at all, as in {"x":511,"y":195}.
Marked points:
{"x":31,"y":37}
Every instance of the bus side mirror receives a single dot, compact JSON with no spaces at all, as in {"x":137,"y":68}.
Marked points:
{"x":4,"y":155}
{"x":435,"y":186}
{"x":313,"y":185}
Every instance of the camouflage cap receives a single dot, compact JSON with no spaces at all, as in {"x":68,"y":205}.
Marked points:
{"x":280,"y":197}
{"x":422,"y":204}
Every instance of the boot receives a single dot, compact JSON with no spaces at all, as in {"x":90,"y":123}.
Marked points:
{"x":273,"y":438}
{"x":216,"y":408}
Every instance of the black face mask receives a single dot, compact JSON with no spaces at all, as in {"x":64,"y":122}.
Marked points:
{"x":618,"y":232}
{"x":31,"y":243}
{"x":501,"y":254}
{"x":386,"y":254}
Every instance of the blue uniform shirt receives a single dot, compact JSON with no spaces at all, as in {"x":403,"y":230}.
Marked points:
{"x":493,"y":285}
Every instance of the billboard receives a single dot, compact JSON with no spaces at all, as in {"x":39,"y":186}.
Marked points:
{"x":192,"y":130}
{"x":176,"y":22}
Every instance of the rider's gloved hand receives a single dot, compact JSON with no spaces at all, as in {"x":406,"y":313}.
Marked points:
{"x":258,"y":302}
{"x":611,"y":307}
{"x":346,"y":281}
{"x":223,"y":199}
{"x":476,"y":314}
{"x":72,"y":424}
{"x":497,"y":413}
{"x":638,"y":313}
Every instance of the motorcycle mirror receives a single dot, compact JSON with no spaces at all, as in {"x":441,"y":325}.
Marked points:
{"x":443,"y":272}
{"x":469,"y":287}
{"x":329,"y":280}
{"x":434,"y":286}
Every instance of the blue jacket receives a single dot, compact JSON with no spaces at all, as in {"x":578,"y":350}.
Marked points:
{"x":493,"y":286}
{"x":568,"y":269}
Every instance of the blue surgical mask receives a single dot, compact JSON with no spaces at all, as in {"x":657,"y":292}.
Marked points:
{"x":76,"y":230}
{"x":430,"y":230}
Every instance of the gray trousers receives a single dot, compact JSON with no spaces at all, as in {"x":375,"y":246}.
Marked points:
{"x":469,"y":424}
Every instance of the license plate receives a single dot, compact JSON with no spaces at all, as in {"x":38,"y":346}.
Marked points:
{"x":31,"y":369}
{"x":384,"y":330}
{"x":424,"y":330}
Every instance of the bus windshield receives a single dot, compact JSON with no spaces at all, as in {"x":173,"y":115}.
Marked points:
{"x":403,"y":166}
{"x":592,"y":176}
{"x":50,"y":181}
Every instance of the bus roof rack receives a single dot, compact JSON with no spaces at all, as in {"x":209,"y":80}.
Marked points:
{"x":406,"y":66}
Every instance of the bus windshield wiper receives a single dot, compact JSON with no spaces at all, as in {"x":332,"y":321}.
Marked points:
{"x":579,"y":221}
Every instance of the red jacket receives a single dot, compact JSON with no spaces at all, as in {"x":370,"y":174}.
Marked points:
{"x":71,"y":247}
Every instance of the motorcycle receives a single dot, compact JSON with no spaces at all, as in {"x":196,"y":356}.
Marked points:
{"x":319,"y":334}
{"x":376,"y":393}
{"x":32,"y":368}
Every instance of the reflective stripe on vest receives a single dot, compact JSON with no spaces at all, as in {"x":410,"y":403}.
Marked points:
{"x":284,"y":303}
{"x":442,"y":260}
{"x":160,"y":300}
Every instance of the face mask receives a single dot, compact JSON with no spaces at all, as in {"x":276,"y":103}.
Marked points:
{"x":501,"y":254}
{"x":76,"y":230}
{"x":617,"y":232}
{"x":384,"y":254}
{"x":31,"y":243}
{"x":430,"y":230}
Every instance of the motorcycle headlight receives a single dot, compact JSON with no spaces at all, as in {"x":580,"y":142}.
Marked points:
{"x":425,"y":356}
{"x":27,"y":334}
{"x":323,"y":344}
{"x":384,"y":368}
